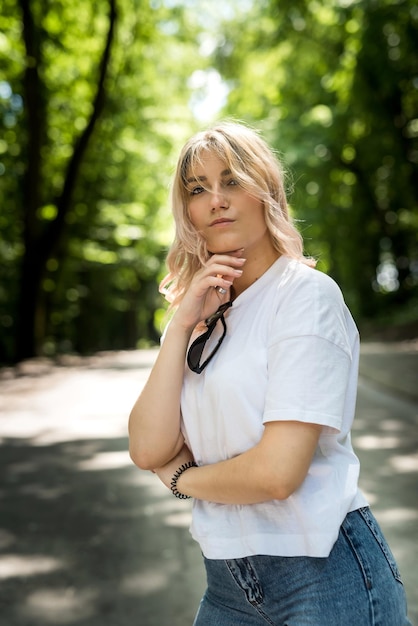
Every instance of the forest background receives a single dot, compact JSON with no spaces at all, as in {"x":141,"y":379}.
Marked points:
{"x":96,"y":98}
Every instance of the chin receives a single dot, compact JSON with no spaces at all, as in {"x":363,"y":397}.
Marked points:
{"x":221,"y":251}
{"x":224,"y":247}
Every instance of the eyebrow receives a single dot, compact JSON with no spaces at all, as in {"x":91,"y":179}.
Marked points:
{"x":203,"y":178}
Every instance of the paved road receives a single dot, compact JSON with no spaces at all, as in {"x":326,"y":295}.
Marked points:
{"x":86,"y":539}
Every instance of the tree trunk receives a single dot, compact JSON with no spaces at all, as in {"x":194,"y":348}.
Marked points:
{"x":40,"y":242}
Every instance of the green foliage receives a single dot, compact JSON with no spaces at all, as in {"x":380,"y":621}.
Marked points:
{"x":106,"y":229}
{"x":333,"y":86}
{"x":96,"y":99}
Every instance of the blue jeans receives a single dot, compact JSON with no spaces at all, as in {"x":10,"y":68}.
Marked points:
{"x":357,"y":585}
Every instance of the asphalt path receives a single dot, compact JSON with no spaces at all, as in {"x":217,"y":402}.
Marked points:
{"x":87,"y":539}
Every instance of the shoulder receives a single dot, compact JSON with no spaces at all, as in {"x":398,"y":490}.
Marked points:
{"x":309,"y":302}
{"x":300,"y":280}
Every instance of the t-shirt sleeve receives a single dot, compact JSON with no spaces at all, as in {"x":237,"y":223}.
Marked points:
{"x":308,"y":378}
{"x":309,"y":355}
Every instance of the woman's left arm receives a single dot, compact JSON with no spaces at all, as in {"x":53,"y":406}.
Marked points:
{"x":271,"y":470}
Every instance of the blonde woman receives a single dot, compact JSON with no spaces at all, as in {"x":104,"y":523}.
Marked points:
{"x":249,"y":405}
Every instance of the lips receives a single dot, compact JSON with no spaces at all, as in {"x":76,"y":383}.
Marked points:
{"x":221,"y":220}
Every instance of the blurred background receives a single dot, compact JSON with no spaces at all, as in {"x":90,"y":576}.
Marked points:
{"x":96,"y":98}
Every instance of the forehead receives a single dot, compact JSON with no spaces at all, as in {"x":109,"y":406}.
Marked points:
{"x":207,"y":164}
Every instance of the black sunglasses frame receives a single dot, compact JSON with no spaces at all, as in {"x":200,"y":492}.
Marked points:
{"x":195,"y":351}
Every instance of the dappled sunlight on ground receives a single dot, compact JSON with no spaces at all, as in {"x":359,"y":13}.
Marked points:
{"x":391,"y":365}
{"x":87,"y":539}
{"x":60,"y":404}
{"x":152,"y":579}
{"x":385,"y":437}
{"x":105,"y":460}
{"x":391,"y":516}
{"x":59,"y":606}
{"x":405,"y":463}
{"x":375,"y":442}
{"x":85,"y":536}
{"x":13,"y":565}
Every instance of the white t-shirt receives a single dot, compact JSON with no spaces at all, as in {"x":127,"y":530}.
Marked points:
{"x":290,"y":353}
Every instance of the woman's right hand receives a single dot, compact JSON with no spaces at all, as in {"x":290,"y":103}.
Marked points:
{"x":202,"y":298}
{"x":154,"y":424}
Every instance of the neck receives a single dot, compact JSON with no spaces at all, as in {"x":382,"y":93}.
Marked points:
{"x":253,"y":269}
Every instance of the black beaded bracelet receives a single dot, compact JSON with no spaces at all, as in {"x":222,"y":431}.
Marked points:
{"x":175,"y":478}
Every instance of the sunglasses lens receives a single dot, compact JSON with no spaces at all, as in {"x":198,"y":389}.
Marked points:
{"x":195,"y":351}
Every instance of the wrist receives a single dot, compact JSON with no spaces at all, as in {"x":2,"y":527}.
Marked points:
{"x":174,"y":486}
{"x":177,"y":325}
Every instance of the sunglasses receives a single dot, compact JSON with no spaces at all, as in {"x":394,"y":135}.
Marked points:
{"x":195,"y":351}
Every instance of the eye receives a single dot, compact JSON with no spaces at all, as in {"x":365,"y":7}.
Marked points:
{"x":196,"y":190}
{"x":232,"y":183}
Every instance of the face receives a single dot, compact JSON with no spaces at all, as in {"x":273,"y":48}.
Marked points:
{"x":226,"y":216}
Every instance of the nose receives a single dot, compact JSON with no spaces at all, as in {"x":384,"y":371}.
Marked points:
{"x":219,"y":199}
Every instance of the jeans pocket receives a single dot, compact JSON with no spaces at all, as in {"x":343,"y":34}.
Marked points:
{"x":377,"y":533}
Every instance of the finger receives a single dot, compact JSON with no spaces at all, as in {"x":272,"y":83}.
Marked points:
{"x":221,"y":283}
{"x":224,"y":271}
{"x":224,"y":259}
{"x":225,"y":280}
{"x":219,"y":289}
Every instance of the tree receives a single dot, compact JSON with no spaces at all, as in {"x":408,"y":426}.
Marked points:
{"x":42,"y":240}
{"x":332,"y":87}
{"x":83,"y":101}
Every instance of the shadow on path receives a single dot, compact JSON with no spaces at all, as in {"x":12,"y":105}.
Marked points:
{"x":385,"y":438}
{"x":87,"y":539}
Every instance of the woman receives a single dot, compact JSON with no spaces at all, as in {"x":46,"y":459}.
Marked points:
{"x":249,"y":405}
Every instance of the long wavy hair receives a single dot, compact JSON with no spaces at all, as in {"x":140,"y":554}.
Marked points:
{"x":257,"y":169}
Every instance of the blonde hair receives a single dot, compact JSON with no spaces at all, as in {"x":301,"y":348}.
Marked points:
{"x":257,"y":169}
